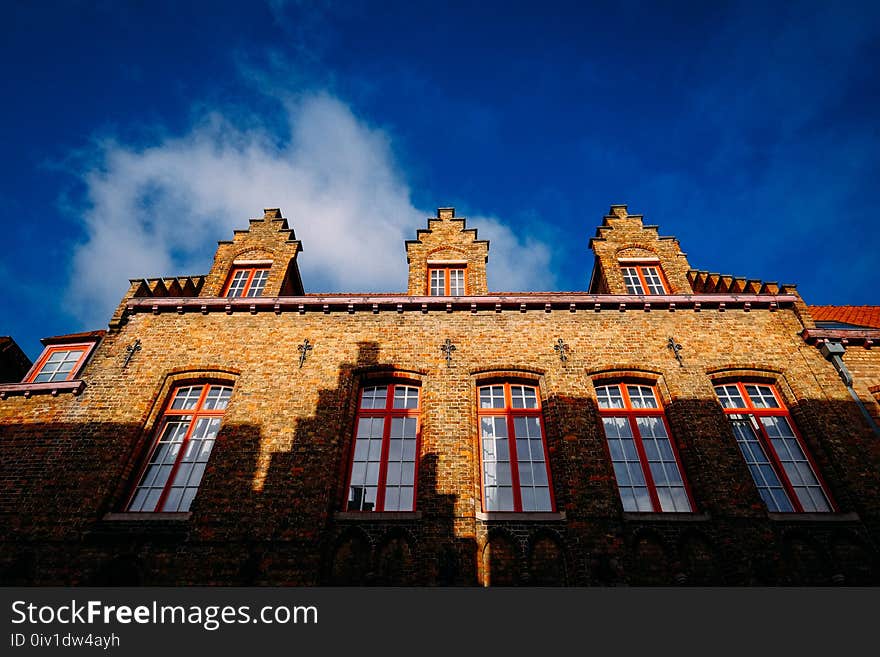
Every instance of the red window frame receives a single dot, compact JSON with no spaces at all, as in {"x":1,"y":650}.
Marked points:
{"x":83,"y":347}
{"x":767,"y":444}
{"x":169,"y":414}
{"x":631,"y":413}
{"x":643,"y":281}
{"x":446,"y":269}
{"x":387,"y":414}
{"x":252,"y":270}
{"x":510,"y":413}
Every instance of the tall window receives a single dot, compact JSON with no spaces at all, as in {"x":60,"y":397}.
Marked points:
{"x":643,"y":279}
{"x":645,"y":461}
{"x":58,"y":363}
{"x":515,"y":474}
{"x":447,"y":281}
{"x":246,"y":282}
{"x":383,"y":468}
{"x":781,"y":468}
{"x":186,"y":435}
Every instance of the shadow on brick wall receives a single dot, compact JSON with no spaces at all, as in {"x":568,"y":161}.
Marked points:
{"x":60,"y":480}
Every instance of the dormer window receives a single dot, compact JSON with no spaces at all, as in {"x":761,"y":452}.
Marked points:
{"x":247,"y":281}
{"x":446,"y":280}
{"x":58,"y":363}
{"x":643,"y":278}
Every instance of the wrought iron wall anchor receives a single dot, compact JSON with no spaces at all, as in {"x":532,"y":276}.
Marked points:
{"x":304,"y":350}
{"x":130,"y":351}
{"x":447,"y":348}
{"x":562,"y":349}
{"x":676,"y":347}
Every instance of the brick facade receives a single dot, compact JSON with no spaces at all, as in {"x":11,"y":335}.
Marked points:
{"x":271,"y":506}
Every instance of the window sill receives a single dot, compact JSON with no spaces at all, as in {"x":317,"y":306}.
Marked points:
{"x":148,"y":516}
{"x":27,"y":389}
{"x":524,"y":516}
{"x":852,"y":516}
{"x":377,"y":516}
{"x":662,"y":516}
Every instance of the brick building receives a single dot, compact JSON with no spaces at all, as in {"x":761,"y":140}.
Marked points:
{"x":665,"y":426}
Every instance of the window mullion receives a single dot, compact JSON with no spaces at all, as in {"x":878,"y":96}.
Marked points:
{"x":643,"y":459}
{"x":247,"y":285}
{"x":183,"y":445}
{"x":383,"y":462}
{"x":777,"y":464}
{"x":641,"y":274}
{"x":514,"y":461}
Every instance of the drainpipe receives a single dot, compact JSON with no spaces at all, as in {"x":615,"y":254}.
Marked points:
{"x":833,"y":352}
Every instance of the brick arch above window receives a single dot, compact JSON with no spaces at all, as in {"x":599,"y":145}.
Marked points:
{"x":640,"y":252}
{"x":187,"y":375}
{"x":757,"y":373}
{"x":508,"y":371}
{"x":255,"y":253}
{"x":380,"y":372}
{"x":624,"y":373}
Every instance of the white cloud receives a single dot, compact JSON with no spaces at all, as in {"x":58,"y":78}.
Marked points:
{"x":159,"y":211}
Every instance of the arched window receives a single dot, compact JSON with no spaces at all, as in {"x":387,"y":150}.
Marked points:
{"x":513,"y":449}
{"x":386,"y":441}
{"x":781,"y":468}
{"x":644,"y":457}
{"x":185,"y":437}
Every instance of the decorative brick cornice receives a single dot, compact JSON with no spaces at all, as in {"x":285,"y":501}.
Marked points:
{"x":866,"y":337}
{"x":52,"y":388}
{"x":536,"y":301}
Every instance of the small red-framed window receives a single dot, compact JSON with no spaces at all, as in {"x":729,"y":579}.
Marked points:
{"x":643,"y":278}
{"x":781,"y":467}
{"x":513,"y":449}
{"x":246,"y":282}
{"x":447,"y":280}
{"x":645,"y":458}
{"x":61,"y":362}
{"x":384,"y":464}
{"x":184,"y":441}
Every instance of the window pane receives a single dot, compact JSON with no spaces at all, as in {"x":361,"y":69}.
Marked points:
{"x":492,"y":397}
{"x":438,"y":283}
{"x":627,"y":468}
{"x":258,"y":283}
{"x":762,"y":396}
{"x":609,"y":396}
{"x":730,"y":397}
{"x":187,"y":398}
{"x":406,"y":397}
{"x":766,"y":479}
{"x":523,"y":397}
{"x":239,"y":281}
{"x":641,"y":397}
{"x":374,"y":397}
{"x":217,"y":398}
{"x":653,"y":280}
{"x":632,"y":281}
{"x":796,"y":465}
{"x":456,"y":282}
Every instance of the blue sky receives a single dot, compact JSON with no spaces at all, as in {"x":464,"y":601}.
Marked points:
{"x":137,"y":134}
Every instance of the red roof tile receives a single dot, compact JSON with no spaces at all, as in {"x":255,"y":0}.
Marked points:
{"x":857,"y":315}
